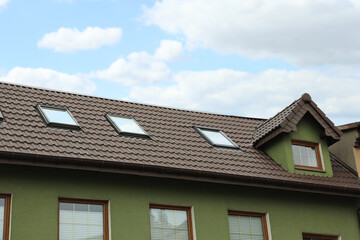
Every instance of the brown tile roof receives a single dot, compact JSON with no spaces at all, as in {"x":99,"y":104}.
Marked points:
{"x":349,"y":126}
{"x":287,"y":119}
{"x":175,"y":147}
{"x":352,"y":126}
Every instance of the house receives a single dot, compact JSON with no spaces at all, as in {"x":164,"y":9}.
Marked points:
{"x":348,"y":148}
{"x":82,"y":167}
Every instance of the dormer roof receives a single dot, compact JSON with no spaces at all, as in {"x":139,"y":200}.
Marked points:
{"x":286,"y":120}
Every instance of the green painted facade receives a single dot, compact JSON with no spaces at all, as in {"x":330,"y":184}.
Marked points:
{"x":308,"y":129}
{"x":35,"y":192}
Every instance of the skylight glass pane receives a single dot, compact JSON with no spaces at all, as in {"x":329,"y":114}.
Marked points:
{"x":217,"y":138}
{"x":61,"y":116}
{"x":127,"y":125}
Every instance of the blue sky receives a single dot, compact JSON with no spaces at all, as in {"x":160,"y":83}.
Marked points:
{"x":232,"y":57}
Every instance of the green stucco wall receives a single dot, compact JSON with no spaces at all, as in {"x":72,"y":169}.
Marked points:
{"x":36,"y":191}
{"x":307,"y":130}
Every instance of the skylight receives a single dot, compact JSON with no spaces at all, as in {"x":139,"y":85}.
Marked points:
{"x":126,"y":125}
{"x":58,"y":117}
{"x":216,"y":137}
{"x":1,"y":117}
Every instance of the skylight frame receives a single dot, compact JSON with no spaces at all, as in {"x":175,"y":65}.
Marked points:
{"x":48,"y":123}
{"x":124,"y":133}
{"x":200,"y":129}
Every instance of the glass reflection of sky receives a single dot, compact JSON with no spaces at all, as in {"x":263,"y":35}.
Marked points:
{"x":217,"y":137}
{"x":58,"y":116}
{"x":127,"y":125}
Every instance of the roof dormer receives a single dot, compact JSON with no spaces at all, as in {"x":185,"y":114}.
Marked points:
{"x":298,"y":138}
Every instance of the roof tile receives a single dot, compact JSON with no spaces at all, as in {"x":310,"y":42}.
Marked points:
{"x":173,"y":144}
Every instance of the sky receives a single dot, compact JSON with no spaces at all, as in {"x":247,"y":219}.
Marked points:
{"x":243,"y":58}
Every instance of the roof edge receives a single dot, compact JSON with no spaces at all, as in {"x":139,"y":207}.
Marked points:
{"x":349,"y":126}
{"x":168,"y":172}
{"x":126,"y":101}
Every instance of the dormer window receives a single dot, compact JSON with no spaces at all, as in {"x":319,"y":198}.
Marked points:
{"x":216,"y":137}
{"x":306,"y":155}
{"x":58,"y":117}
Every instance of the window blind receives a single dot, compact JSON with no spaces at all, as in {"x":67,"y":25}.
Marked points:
{"x":245,"y":228}
{"x":167,"y":224}
{"x":2,"y":217}
{"x":79,"y":221}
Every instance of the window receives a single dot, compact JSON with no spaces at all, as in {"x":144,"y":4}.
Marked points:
{"x":306,"y":155}
{"x":58,"y":117}
{"x":168,"y":222}
{"x":126,"y":125}
{"x":216,"y":137}
{"x":307,"y":236}
{"x":246,"y":226}
{"x":83,"y":219}
{"x":4,"y":216}
{"x":1,"y":117}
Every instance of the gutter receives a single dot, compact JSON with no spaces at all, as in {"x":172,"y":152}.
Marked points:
{"x":172,"y":173}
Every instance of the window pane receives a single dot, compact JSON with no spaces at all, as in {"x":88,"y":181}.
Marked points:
{"x":155,"y":217}
{"x":303,"y":150}
{"x":169,"y":224}
{"x":245,"y":224}
{"x":156,"y":234}
{"x":169,"y":234}
{"x":58,"y":116}
{"x":235,"y":236}
{"x":127,"y":125}
{"x":313,"y":162}
{"x":245,"y":237}
{"x":305,"y":161}
{"x":256,"y":225}
{"x":80,"y":221}
{"x":182,"y":234}
{"x":305,"y":156}
{"x":2,"y":216}
{"x":234,"y":224}
{"x":180,"y":219}
{"x":245,"y":227}
{"x":216,"y":137}
{"x":169,"y":218}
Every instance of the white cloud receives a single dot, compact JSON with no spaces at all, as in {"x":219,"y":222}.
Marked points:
{"x":305,"y":32}
{"x":169,"y":50}
{"x":47,"y":78}
{"x":257,"y":95}
{"x":141,"y":67}
{"x":71,"y":39}
{"x":3,"y":3}
{"x":137,"y":68}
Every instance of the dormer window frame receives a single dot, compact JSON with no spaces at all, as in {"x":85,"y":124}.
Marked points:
{"x":2,"y":119}
{"x":316,"y":146}
{"x":59,"y":125}
{"x":145,"y":135}
{"x":200,"y":129}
